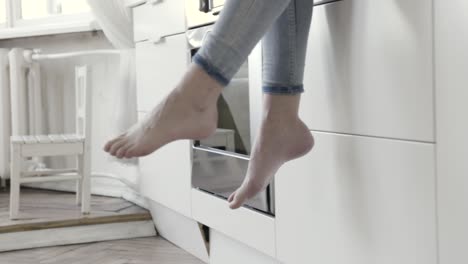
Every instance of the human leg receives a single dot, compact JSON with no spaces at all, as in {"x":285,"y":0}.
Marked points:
{"x":282,"y":135}
{"x":189,"y":111}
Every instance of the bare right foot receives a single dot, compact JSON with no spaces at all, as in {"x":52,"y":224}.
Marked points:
{"x":188,"y":112}
{"x":282,"y":137}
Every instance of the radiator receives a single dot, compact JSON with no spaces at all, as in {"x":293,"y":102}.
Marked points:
{"x":5,"y":121}
{"x":20,"y":97}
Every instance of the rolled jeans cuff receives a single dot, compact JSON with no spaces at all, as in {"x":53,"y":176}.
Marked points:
{"x":283,"y":90}
{"x":210,"y":69}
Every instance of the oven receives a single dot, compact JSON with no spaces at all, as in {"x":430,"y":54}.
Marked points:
{"x":220,"y":162}
{"x":202,"y":12}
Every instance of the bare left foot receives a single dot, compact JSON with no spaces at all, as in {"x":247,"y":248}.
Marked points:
{"x":282,"y":137}
{"x":188,"y":112}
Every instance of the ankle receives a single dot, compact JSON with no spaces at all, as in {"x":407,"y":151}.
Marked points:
{"x":274,"y":115}
{"x":200,"y":89}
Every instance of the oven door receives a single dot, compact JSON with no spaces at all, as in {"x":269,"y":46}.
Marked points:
{"x":220,"y":162}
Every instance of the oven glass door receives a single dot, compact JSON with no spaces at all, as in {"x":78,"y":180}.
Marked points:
{"x":220,"y":161}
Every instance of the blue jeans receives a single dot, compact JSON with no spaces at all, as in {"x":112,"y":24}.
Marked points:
{"x":284,"y":26}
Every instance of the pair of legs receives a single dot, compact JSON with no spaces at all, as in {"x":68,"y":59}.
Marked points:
{"x":189,"y":111}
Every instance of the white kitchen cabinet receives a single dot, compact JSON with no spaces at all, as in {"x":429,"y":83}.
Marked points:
{"x":165,"y":176}
{"x":225,"y":250}
{"x":156,"y":19}
{"x":247,"y":226}
{"x":451,"y":40}
{"x":166,"y":173}
{"x":358,"y":200}
{"x":369,"y":69}
{"x":159,"y":66}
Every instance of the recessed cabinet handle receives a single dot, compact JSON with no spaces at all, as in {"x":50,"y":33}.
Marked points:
{"x":158,"y":40}
{"x":154,"y":2}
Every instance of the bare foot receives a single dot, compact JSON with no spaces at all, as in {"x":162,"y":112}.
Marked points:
{"x":188,"y":112}
{"x":282,"y":137}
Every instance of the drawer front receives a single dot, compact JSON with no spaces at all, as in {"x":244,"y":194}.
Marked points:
{"x":358,"y":200}
{"x":160,"y":66}
{"x":369,"y":69}
{"x":251,"y":228}
{"x":156,"y":19}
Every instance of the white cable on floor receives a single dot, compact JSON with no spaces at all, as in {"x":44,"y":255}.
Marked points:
{"x":126,"y":182}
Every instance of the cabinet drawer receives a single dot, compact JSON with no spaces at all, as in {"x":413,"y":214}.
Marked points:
{"x":369,"y":69}
{"x":247,"y":226}
{"x":159,"y":66}
{"x":372,"y":200}
{"x":156,"y":19}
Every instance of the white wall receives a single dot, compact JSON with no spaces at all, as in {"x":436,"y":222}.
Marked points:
{"x":58,"y":99}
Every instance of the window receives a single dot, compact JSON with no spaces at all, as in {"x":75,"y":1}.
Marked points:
{"x":20,"y":18}
{"x":3,"y":13}
{"x":32,"y":9}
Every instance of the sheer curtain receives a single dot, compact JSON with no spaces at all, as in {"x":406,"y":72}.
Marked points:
{"x":115,"y":19}
{"x":116,"y":22}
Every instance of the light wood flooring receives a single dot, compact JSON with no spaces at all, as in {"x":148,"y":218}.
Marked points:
{"x":152,"y":250}
{"x":41,"y":209}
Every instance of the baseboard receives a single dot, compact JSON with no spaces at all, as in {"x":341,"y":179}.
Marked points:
{"x":75,"y":235}
{"x":226,"y":250}
{"x":179,"y":230}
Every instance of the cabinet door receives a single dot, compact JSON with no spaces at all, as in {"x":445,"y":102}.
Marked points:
{"x":369,"y":69}
{"x":159,"y":67}
{"x":156,"y":19}
{"x":358,"y":200}
{"x":165,"y":176}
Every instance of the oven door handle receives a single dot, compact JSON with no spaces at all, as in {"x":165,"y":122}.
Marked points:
{"x":206,"y":6}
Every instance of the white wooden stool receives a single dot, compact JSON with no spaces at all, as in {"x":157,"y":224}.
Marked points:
{"x":24,"y":147}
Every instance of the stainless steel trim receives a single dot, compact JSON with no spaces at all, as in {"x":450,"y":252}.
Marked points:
{"x":222,"y":152}
{"x":220,"y":173}
{"x":324,"y":2}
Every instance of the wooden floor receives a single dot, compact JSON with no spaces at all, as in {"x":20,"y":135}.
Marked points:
{"x":40,"y":209}
{"x":153,"y":250}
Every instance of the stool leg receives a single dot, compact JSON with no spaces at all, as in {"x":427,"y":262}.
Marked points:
{"x":16,"y":164}
{"x":84,"y":169}
{"x":78,"y":191}
{"x":78,"y":183}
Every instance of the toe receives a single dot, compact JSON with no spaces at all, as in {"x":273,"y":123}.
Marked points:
{"x":116,"y":146}
{"x":136,"y":151}
{"x":110,"y":143}
{"x":237,"y":200}
{"x":132,"y":152}
{"x":231,"y":197}
{"x":122,"y":151}
{"x":129,"y":153}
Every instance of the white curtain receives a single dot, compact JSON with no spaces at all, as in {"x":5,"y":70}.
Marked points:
{"x":115,"y":19}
